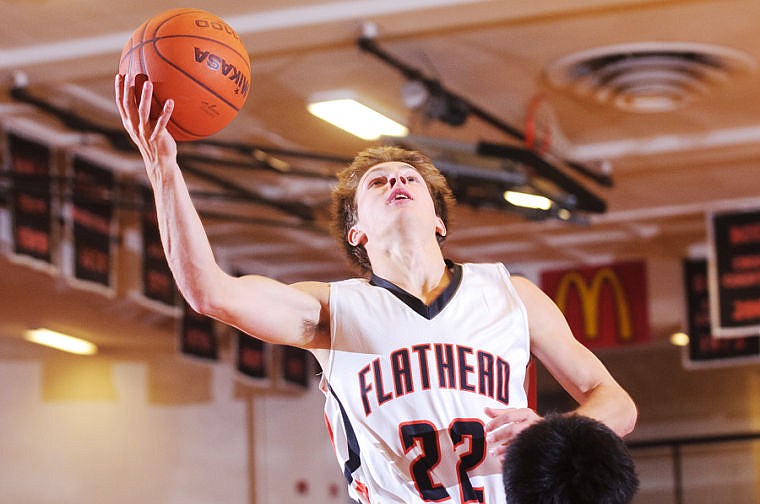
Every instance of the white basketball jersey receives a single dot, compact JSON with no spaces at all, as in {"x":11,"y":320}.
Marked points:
{"x":406,"y":385}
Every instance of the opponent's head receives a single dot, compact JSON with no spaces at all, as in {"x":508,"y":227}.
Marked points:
{"x":344,"y":194}
{"x":569,"y":459}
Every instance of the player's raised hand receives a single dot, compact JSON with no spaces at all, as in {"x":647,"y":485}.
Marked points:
{"x":146,"y":131}
{"x":505,"y":424}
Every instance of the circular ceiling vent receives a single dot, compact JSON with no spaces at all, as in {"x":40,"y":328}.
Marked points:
{"x":648,"y":76}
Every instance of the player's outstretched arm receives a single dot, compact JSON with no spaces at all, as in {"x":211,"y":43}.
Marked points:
{"x":263,"y":307}
{"x":574,"y":366}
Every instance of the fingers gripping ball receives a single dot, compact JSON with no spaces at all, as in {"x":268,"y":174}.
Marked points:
{"x":195,"y":58}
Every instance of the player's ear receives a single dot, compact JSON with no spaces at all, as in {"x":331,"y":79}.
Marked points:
{"x":356,"y":236}
{"x":440,"y":227}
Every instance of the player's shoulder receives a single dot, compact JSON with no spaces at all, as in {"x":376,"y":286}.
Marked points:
{"x":318,"y":290}
{"x":484,"y":266}
{"x":355,"y":283}
{"x":498,"y":268}
{"x":349,"y":287}
{"x":494,"y":270}
{"x":522,"y":285}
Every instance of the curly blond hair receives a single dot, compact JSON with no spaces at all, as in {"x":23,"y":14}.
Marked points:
{"x":344,"y":212}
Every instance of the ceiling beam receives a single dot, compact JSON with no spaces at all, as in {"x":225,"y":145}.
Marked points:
{"x":428,"y":14}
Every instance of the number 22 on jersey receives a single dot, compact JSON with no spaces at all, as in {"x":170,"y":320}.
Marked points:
{"x":469,"y":448}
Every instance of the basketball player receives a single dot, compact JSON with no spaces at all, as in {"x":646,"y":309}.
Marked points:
{"x":569,"y":459}
{"x":423,"y":361}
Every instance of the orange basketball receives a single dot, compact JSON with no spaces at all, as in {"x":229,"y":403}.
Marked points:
{"x":195,"y":58}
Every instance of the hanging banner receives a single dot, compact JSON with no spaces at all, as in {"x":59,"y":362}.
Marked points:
{"x":252,"y":357}
{"x":157,"y":281}
{"x":605,"y":306}
{"x":92,"y":222}
{"x":704,"y":349}
{"x":294,"y":366}
{"x":197,"y":335}
{"x":30,"y":167}
{"x":734,"y":272}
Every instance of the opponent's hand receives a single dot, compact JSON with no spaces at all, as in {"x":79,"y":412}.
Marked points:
{"x":150,"y":135}
{"x":504,"y":425}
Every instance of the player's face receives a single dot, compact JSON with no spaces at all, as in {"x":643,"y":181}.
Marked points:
{"x":394,"y":194}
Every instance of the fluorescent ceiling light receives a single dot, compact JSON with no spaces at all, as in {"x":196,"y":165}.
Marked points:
{"x":356,"y":118}
{"x":526,"y":200}
{"x":60,"y":341}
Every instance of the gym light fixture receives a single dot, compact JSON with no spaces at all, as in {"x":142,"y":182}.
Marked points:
{"x":349,"y":114}
{"x":679,"y":339}
{"x":527,"y":200}
{"x":60,"y":341}
{"x":434,"y":103}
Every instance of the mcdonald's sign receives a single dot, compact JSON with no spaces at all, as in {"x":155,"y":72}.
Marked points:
{"x":605,"y":306}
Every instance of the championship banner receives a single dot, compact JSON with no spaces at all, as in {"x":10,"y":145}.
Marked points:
{"x":93,"y":222}
{"x":734,"y":272}
{"x":252,"y":357}
{"x":30,"y":167}
{"x":704,"y":349}
{"x":294,"y":366}
{"x":197,"y":335}
{"x":157,"y":281}
{"x":605,"y":306}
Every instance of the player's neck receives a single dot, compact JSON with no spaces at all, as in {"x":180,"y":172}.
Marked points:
{"x":419,"y":272}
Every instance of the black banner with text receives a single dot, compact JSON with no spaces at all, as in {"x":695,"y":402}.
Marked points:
{"x":158,"y":283}
{"x":295,"y":366}
{"x":92,"y":216}
{"x":252,"y":356}
{"x":735,"y":273}
{"x":198,"y":335}
{"x":704,"y":348}
{"x":30,"y":169}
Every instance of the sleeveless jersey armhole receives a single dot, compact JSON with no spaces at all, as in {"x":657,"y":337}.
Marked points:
{"x":327,"y":368}
{"x":504,"y":272}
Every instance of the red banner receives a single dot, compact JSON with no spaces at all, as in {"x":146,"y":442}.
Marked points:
{"x":605,"y":306}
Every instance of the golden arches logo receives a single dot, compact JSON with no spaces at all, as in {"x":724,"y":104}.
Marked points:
{"x":589,"y":297}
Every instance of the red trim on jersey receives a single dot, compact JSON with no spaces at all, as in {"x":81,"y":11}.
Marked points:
{"x":362,"y":490}
{"x":330,"y":431}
